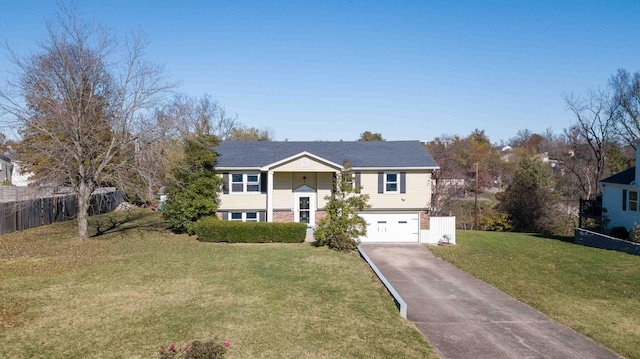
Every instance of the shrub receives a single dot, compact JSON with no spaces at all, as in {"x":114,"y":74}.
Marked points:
{"x":634,"y":233}
{"x":494,"y":220}
{"x":211,"y":229}
{"x":619,"y":232}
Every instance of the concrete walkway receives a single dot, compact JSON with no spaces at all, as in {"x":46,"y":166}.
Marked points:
{"x":464,"y":317}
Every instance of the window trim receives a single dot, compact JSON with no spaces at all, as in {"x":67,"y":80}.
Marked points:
{"x":245,"y":182}
{"x":247,"y":219}
{"x":385,"y":182}
{"x":236,"y":219}
{"x":243,"y":216}
{"x":633,"y":202}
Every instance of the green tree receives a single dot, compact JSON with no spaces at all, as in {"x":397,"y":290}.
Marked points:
{"x":194,"y":191}
{"x":529,"y":200}
{"x":370,"y":136}
{"x":341,"y":227}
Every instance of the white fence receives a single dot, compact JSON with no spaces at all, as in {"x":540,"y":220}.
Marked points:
{"x":440,"y":229}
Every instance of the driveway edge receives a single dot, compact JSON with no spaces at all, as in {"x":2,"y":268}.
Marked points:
{"x":400,"y":303}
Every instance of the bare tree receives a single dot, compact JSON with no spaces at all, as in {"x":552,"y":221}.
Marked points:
{"x":192,"y":115}
{"x":79,"y":103}
{"x":590,"y":138}
{"x":626,"y":96}
{"x":170,"y":125}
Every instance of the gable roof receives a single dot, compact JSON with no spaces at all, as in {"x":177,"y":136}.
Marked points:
{"x":625,"y":177}
{"x":373,"y":154}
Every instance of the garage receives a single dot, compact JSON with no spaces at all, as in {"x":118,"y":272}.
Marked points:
{"x":391,"y":227}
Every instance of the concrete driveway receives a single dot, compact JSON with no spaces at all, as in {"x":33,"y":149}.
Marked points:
{"x":464,"y":317}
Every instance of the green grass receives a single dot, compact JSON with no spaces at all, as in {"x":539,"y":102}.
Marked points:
{"x":135,"y":287}
{"x":595,"y":292}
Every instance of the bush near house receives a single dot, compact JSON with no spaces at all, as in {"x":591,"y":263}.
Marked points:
{"x":620,"y":233}
{"x":211,"y":229}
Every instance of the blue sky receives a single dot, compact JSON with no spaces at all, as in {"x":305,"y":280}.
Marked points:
{"x":326,"y":70}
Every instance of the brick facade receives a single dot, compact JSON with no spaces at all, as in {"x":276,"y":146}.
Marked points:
{"x":219,"y":215}
{"x":282,"y":216}
{"x":425,"y":218}
{"x":320,"y":215}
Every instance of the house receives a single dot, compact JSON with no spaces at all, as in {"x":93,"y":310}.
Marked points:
{"x":289,"y":182}
{"x":6,"y":169}
{"x":14,"y":175}
{"x":620,"y":201}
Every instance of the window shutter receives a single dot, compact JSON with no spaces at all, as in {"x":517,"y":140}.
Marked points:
{"x":263,"y":182}
{"x":357,"y":175}
{"x":624,"y":199}
{"x":403,"y":182}
{"x":335,"y":183}
{"x":225,"y":183}
{"x":380,"y":182}
{"x":225,"y":216}
{"x":262,"y":216}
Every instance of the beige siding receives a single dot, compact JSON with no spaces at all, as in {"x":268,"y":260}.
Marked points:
{"x":299,"y":180}
{"x":304,"y":164}
{"x":417,"y":196}
{"x":257,"y":201}
{"x":282,"y":193}
{"x":325,"y":185}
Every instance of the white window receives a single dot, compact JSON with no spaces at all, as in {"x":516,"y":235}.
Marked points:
{"x":245,"y":182}
{"x":391,"y":182}
{"x":236,"y":216}
{"x":251,"y":217}
{"x":244,"y":216}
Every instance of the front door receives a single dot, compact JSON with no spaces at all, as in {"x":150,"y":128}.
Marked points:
{"x":304,"y":206}
{"x":304,"y":209}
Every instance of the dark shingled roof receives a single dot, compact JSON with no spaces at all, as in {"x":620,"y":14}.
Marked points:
{"x":625,"y":177}
{"x":386,"y":154}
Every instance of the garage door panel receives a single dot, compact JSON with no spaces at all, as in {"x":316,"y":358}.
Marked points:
{"x":391,"y":227}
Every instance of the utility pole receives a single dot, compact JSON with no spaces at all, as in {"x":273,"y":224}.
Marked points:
{"x":475,"y":212}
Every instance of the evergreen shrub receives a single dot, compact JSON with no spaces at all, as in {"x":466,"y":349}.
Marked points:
{"x":211,"y":229}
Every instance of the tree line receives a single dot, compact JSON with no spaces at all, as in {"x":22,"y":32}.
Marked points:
{"x":539,"y":178}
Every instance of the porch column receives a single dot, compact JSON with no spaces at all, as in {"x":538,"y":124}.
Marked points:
{"x":270,"y":196}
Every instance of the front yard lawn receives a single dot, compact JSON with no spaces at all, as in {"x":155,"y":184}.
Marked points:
{"x":135,"y":287}
{"x":595,"y":292}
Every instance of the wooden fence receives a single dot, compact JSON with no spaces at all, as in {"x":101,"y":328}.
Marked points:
{"x":16,"y":216}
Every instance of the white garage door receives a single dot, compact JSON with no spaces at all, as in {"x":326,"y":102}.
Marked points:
{"x":391,"y":227}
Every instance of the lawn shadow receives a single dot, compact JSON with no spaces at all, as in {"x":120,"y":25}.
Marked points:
{"x":127,"y":221}
{"x":568,"y":239}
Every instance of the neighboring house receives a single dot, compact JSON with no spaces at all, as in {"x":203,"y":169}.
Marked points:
{"x":288,"y":182}
{"x":15,"y":177}
{"x":6,"y":169}
{"x":620,"y":197}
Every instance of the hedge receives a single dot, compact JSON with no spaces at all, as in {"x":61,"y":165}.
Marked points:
{"x":211,"y":229}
